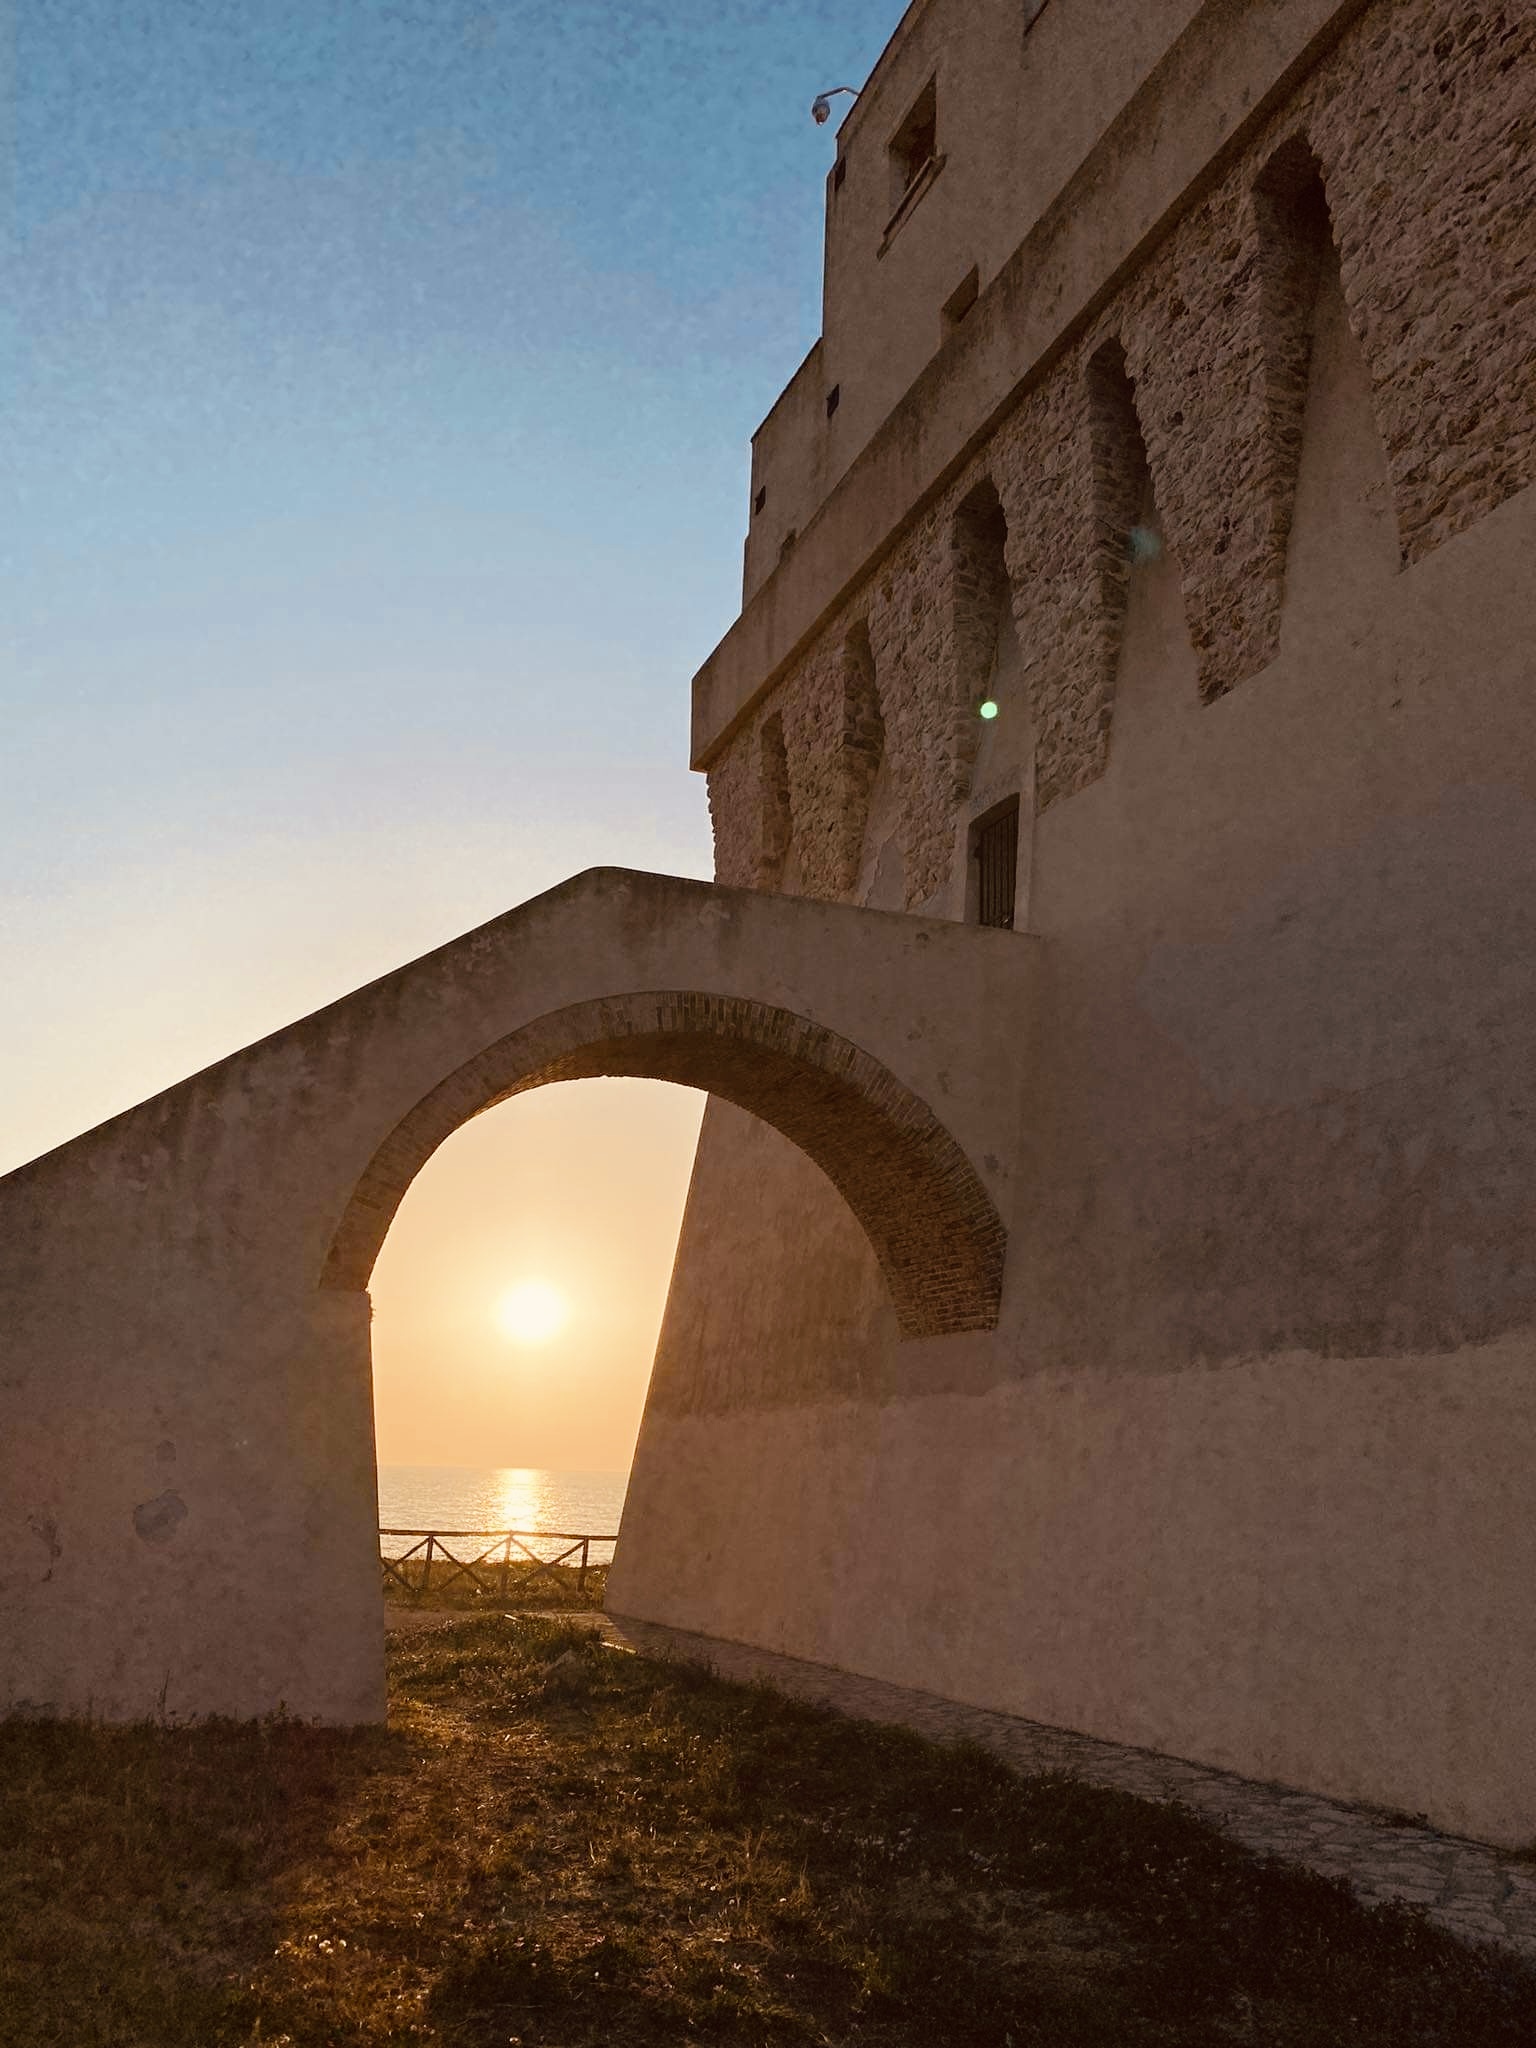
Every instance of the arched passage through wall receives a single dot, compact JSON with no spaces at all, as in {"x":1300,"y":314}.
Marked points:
{"x":518,"y":1301}
{"x":931,"y":1224}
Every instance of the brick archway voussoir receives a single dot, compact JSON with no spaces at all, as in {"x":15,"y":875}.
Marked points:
{"x":930,"y":1222}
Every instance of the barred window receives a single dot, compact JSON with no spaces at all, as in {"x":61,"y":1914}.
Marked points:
{"x":995,"y":850}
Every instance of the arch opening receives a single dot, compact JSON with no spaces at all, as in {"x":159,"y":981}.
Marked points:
{"x":517,"y":1306}
{"x":931,"y":1224}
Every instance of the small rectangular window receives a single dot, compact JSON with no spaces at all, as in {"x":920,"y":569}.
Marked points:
{"x":961,"y":299}
{"x":833,"y":398}
{"x":995,"y":849}
{"x":915,"y":143}
{"x":760,"y":501}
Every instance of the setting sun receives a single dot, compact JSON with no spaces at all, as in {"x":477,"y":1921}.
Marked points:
{"x":532,"y":1312}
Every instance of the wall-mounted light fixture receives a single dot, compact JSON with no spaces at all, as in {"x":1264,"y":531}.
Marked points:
{"x":821,"y":106}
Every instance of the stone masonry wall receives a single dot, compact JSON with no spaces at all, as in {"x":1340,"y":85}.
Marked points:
{"x":1407,"y":158}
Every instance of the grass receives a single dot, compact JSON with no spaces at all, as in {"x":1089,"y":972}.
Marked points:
{"x":554,"y":1843}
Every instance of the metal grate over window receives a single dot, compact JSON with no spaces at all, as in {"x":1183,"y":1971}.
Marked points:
{"x":997,"y":863}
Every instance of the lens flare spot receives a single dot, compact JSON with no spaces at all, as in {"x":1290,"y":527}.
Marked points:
{"x":987,"y":708}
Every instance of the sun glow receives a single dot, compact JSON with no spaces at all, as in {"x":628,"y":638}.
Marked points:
{"x":532,"y":1312}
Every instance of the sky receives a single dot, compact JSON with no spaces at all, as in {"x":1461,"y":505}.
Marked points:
{"x":377,"y":381}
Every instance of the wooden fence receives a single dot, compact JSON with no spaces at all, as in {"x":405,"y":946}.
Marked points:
{"x":510,"y":1564}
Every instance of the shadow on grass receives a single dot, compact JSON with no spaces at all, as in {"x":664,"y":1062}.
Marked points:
{"x":561,"y":1846}
{"x":716,"y":1863}
{"x":142,"y":1872}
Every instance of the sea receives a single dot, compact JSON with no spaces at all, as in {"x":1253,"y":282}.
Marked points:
{"x":488,"y":1500}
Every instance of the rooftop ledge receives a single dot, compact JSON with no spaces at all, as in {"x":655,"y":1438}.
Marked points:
{"x":1234,"y":63}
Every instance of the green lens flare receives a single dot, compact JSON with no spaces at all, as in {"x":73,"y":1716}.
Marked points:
{"x":987,"y":708}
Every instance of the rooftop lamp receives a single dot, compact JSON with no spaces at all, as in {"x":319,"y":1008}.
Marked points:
{"x":821,"y":106}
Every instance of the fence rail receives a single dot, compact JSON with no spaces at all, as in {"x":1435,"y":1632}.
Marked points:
{"x":562,"y":1568}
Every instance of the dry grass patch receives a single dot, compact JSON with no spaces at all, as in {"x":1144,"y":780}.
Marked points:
{"x":558,"y":1844}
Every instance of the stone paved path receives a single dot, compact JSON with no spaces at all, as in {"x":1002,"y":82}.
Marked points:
{"x":1470,"y":1889}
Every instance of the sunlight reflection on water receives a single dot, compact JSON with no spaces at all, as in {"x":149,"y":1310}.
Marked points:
{"x":445,"y":1497}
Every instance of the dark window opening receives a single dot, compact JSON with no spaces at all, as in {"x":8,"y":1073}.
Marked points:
{"x":995,"y":850}
{"x":833,"y":396}
{"x":760,"y":501}
{"x":961,"y":299}
{"x":915,"y":143}
{"x":839,"y":172}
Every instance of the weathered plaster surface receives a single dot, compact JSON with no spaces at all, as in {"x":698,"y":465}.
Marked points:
{"x":1298,"y":1568}
{"x":188,"y":1520}
{"x":1420,"y":120}
{"x":1238,"y":1476}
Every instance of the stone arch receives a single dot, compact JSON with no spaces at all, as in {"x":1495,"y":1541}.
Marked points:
{"x":931,"y":1224}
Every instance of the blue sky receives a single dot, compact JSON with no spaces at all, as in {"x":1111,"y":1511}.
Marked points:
{"x":378,"y":380}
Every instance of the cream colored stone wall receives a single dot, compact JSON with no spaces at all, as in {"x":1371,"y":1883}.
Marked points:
{"x":1238,"y":1477}
{"x":1294,"y":1573}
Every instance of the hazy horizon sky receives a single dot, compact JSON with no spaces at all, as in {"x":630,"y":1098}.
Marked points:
{"x":379,"y":382}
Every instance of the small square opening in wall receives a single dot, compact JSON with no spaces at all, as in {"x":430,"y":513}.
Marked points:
{"x":759,"y":500}
{"x":834,"y":398}
{"x":915,"y":143}
{"x":961,"y":299}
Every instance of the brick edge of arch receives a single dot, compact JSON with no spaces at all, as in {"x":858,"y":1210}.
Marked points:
{"x":933,"y":1227}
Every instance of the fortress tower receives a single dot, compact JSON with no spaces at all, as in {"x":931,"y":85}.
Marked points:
{"x":1177,"y":398}
{"x":1107,"y":1291}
